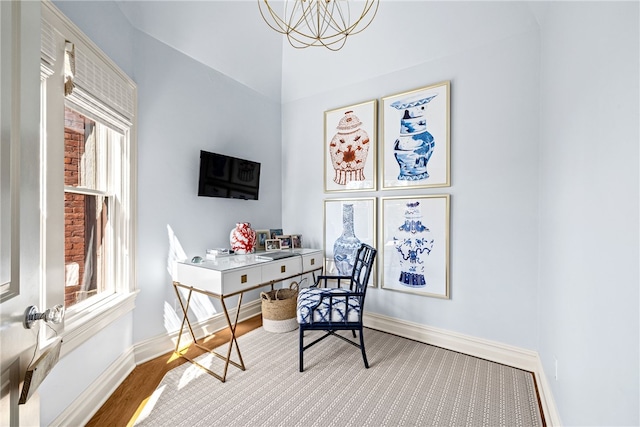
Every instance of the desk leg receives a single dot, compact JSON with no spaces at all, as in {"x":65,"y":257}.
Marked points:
{"x":185,"y":318}
{"x":232,"y":340}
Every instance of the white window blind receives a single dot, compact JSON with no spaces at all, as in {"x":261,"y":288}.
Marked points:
{"x":48,"y":43}
{"x":97,"y":81}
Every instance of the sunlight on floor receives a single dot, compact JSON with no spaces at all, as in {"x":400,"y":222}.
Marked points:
{"x":174,"y":356}
{"x":147,"y":406}
{"x":194,"y":371}
{"x":209,"y":338}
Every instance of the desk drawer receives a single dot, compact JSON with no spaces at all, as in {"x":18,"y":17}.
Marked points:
{"x":237,"y":280}
{"x":313,"y":261}
{"x":198,"y":277}
{"x":277,"y":270}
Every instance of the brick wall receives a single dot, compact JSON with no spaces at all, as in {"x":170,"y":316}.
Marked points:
{"x":74,"y":204}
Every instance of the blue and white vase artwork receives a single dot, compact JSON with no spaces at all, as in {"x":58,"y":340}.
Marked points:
{"x":346,"y":246}
{"x":415,"y":145}
{"x":413,"y":244}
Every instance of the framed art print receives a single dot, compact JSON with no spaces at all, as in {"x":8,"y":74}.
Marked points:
{"x":350,"y":148}
{"x":415,"y":242}
{"x":415,"y":147}
{"x":347,"y":224}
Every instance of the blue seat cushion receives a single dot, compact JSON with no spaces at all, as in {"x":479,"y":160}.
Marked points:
{"x":315,"y":301}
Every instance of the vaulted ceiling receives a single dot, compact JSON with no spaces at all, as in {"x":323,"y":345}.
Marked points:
{"x":231,"y":37}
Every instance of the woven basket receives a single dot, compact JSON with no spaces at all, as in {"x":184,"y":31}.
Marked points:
{"x":279,"y":309}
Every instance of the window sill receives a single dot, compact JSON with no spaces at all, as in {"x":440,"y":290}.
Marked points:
{"x":82,"y":326}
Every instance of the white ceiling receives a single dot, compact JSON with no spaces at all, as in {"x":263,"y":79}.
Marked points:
{"x":230,"y":37}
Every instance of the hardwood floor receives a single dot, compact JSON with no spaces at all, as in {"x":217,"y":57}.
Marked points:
{"x":125,"y":404}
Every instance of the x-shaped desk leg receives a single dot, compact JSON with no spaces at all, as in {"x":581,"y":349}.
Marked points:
{"x":232,"y":330}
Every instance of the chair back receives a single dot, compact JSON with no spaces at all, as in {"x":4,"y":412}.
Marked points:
{"x":362,"y":269}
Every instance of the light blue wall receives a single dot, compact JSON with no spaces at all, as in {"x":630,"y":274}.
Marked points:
{"x":185,"y":107}
{"x":106,"y":26}
{"x":589,"y":115}
{"x":494,"y":175}
{"x":80,"y":369}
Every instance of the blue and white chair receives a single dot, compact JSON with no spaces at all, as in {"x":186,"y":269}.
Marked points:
{"x":339,"y":307}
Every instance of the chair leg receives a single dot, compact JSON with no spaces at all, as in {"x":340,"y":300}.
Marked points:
{"x":353,"y":331}
{"x":301,"y":348}
{"x":364,"y":355}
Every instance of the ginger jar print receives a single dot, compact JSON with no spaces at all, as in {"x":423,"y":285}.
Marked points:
{"x":349,"y":149}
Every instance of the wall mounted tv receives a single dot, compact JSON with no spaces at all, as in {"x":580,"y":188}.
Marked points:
{"x":228,"y":177}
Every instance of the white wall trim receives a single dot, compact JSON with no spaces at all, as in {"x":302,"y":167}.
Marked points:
{"x":551,"y":414}
{"x":91,"y":399}
{"x":95,"y":318}
{"x":493,"y":351}
{"x":484,"y":349}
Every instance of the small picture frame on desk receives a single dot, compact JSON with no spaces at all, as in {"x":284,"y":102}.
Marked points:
{"x":296,"y":241}
{"x":272,"y":245}
{"x":285,"y":241}
{"x":261,"y":238}
{"x":275,"y":232}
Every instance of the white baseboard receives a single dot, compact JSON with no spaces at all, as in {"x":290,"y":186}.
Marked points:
{"x":516,"y":357}
{"x":484,"y":349}
{"x":552,"y":417}
{"x":87,"y":404}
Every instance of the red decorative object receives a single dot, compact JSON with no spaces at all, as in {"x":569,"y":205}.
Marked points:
{"x":243,"y":238}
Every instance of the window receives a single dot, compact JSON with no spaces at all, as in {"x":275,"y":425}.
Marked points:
{"x":91,"y":184}
{"x":88,"y":174}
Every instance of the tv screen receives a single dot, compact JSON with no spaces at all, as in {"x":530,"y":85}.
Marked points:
{"x":228,"y":177}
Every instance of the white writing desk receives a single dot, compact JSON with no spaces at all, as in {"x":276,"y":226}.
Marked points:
{"x":233,"y":275}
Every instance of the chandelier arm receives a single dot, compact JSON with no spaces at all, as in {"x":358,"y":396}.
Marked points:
{"x":278,"y":24}
{"x":370,"y":4}
{"x":332,"y":22}
{"x":298,"y":44}
{"x":310,"y":17}
{"x":303,"y":10}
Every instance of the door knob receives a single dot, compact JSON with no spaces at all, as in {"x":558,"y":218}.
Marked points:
{"x":50,"y":315}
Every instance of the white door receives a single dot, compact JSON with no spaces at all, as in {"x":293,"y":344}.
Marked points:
{"x":20,"y":208}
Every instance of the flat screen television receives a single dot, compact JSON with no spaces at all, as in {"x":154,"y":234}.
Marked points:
{"x":228,"y":177}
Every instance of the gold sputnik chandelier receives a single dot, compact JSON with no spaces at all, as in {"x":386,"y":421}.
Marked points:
{"x":325,"y":23}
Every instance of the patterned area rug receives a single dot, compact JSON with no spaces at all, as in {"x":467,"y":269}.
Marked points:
{"x":408,"y":384}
